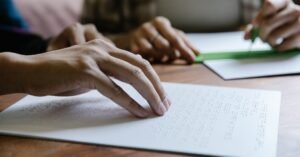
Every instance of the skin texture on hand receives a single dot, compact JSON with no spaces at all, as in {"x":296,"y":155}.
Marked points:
{"x":75,"y":35}
{"x":279,"y":24}
{"x":91,"y":66}
{"x":158,"y":41}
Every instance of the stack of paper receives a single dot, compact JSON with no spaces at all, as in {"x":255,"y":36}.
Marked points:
{"x":201,"y":120}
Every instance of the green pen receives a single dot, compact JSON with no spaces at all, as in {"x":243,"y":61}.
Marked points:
{"x":254,"y":34}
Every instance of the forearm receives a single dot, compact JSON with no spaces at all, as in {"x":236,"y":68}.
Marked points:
{"x":13,"y":72}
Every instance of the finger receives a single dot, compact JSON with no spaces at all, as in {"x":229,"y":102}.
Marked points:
{"x":289,"y":43}
{"x":247,"y":32}
{"x":143,"y":44}
{"x":133,"y":75}
{"x":146,"y":49}
{"x":134,"y":47}
{"x":280,"y":19}
{"x":284,"y":32}
{"x":109,"y":89}
{"x":91,"y":32}
{"x":162,"y":51}
{"x":76,"y":34}
{"x":172,"y":55}
{"x":154,"y":37}
{"x":148,"y":71}
{"x":171,"y":35}
{"x":136,"y":50}
{"x":169,"y":56}
{"x":157,"y":55}
{"x":188,"y":43}
{"x":161,"y":43}
{"x":270,"y":7}
{"x":258,"y":18}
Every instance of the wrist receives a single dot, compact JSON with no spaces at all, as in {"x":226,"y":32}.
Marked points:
{"x":14,"y":70}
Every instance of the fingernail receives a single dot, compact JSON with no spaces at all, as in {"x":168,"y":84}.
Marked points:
{"x":169,"y":101}
{"x":161,"y":109}
{"x":166,"y":104}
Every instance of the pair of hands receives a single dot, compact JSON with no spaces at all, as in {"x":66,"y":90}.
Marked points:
{"x":279,"y":24}
{"x":91,"y":64}
{"x":156,"y":40}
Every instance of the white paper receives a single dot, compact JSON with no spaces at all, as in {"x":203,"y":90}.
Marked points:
{"x":242,"y":68}
{"x":202,"y":120}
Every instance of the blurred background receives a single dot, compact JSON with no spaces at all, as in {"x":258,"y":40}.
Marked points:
{"x":48,"y":18}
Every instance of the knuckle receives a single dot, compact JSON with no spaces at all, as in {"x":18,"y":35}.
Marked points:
{"x":146,"y":48}
{"x":88,"y":49}
{"x":174,"y":40}
{"x":76,"y":26}
{"x":145,"y":65}
{"x":137,"y":72}
{"x":161,"y":19}
{"x":102,"y":43}
{"x":96,"y":42}
{"x":85,"y":64}
{"x":104,"y":60}
{"x":90,"y":27}
{"x":138,"y":57}
{"x":145,"y":27}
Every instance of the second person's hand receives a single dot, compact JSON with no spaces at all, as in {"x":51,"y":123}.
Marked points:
{"x":158,"y":41}
{"x":279,"y":24}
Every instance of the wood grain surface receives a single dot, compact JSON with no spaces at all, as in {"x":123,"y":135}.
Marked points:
{"x":289,"y":123}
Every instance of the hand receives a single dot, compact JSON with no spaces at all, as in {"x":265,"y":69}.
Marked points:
{"x":75,"y":35}
{"x":279,"y":24}
{"x":158,"y":41}
{"x":90,"y":66}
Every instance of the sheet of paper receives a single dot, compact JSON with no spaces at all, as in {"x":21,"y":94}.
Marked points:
{"x":242,"y":68}
{"x":202,"y":120}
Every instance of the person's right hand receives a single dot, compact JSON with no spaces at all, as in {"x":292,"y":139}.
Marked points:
{"x":91,"y":66}
{"x":279,"y":24}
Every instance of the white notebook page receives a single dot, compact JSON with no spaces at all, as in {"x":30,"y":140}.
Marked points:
{"x":202,"y":120}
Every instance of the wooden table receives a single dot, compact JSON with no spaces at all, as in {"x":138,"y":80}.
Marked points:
{"x":289,"y":125}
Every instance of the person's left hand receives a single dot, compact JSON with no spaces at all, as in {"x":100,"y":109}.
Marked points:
{"x":158,"y":41}
{"x":75,"y":35}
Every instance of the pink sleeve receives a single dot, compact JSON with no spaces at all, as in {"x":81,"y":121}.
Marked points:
{"x":49,"y":17}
